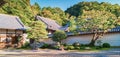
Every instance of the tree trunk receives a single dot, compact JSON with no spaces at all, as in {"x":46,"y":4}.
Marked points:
{"x":61,"y":46}
{"x":92,"y":43}
{"x":95,"y":37}
{"x":32,"y":41}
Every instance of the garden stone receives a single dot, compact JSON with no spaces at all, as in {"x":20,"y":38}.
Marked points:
{"x":40,"y":44}
{"x":34,"y":46}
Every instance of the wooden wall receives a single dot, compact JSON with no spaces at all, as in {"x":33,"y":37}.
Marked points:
{"x":5,"y":32}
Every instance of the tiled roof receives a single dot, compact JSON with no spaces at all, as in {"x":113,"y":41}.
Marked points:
{"x":10,"y":22}
{"x":116,"y":29}
{"x":66,"y":27}
{"x":51,"y":24}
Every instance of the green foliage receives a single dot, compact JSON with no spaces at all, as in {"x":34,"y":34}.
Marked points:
{"x":49,"y":46}
{"x":82,"y":47}
{"x":54,"y":47}
{"x":37,"y":30}
{"x":97,"y":22}
{"x":70,"y":47}
{"x":27,"y":12}
{"x":72,"y":26}
{"x":65,"y":44}
{"x":98,"y":47}
{"x":36,"y":9}
{"x":106,"y":45}
{"x":58,"y":36}
{"x":26,"y":46}
{"x":77,"y":48}
{"x":76,"y":44}
{"x":56,"y":14}
{"x":94,"y":10}
{"x":2,"y":2}
{"x":77,"y":9}
{"x":45,"y":46}
{"x":19,"y":8}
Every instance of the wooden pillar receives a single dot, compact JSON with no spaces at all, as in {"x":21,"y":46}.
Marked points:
{"x":6,"y":44}
{"x":6,"y":32}
{"x":15,"y":32}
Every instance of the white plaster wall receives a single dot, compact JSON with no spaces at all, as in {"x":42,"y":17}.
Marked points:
{"x":112,"y":38}
{"x":83,"y":39}
{"x":47,"y":40}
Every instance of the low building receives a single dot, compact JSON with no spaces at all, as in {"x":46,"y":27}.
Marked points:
{"x":51,"y":25}
{"x":11,"y":30}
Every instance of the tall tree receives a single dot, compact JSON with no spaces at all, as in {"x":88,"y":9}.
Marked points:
{"x":97,"y":22}
{"x":56,"y":14}
{"x":73,"y":26}
{"x":37,"y":30}
{"x":77,"y":9}
{"x":36,"y":9}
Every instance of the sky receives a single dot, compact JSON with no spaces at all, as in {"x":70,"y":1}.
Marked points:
{"x":64,"y":4}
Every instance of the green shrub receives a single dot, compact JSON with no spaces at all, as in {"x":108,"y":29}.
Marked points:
{"x":26,"y":46}
{"x":77,"y":48}
{"x":70,"y":47}
{"x":106,"y":45}
{"x":88,"y":48}
{"x":98,"y":47}
{"x":65,"y":44}
{"x":76,"y":44}
{"x":65,"y":47}
{"x":54,"y":47}
{"x":45,"y":46}
{"x":82,"y":47}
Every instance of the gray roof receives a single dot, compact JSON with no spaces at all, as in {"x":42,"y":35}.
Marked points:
{"x":65,"y":28}
{"x":116,"y":29}
{"x":10,"y":22}
{"x":51,"y":24}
